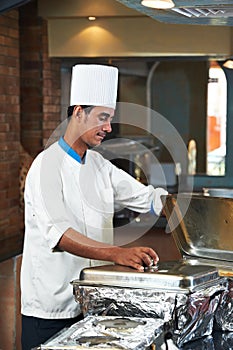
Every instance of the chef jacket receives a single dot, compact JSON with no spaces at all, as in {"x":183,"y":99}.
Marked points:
{"x":63,"y":191}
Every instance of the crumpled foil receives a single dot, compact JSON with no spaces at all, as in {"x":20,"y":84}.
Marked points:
{"x":195,"y":319}
{"x":217,"y":341}
{"x":206,"y":343}
{"x":187,"y":316}
{"x":137,"y":338}
{"x":114,"y":301}
{"x":223,"y":340}
{"x":224,"y":312}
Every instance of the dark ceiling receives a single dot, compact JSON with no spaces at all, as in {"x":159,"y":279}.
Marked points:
{"x":204,"y":12}
{"x":6,"y":5}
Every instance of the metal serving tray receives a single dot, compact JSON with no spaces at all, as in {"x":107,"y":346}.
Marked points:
{"x":108,"y":333}
{"x":202,"y":228}
{"x":183,"y":295}
{"x":173,"y":276}
{"x":203,"y":231}
{"x":186,"y":293}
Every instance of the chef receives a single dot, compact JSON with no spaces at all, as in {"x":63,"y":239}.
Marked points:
{"x":70,"y":192}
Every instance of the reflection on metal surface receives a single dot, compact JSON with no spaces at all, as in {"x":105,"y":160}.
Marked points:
{"x":206,"y":229}
{"x":171,"y":275}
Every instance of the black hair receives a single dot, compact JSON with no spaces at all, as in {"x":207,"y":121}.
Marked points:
{"x":70,"y":109}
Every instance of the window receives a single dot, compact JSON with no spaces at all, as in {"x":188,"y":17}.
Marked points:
{"x":216,"y":120}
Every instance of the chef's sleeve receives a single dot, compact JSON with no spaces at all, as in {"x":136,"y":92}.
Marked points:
{"x":130,"y":193}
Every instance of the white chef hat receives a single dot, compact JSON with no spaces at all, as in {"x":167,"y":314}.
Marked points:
{"x":94,"y":85}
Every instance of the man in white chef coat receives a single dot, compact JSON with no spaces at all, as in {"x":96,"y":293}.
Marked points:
{"x":70,"y":192}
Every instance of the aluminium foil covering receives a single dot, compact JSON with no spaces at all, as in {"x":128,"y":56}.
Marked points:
{"x":187,"y":316}
{"x":224,"y":312}
{"x":183,"y":295}
{"x":110,"y":333}
{"x":216,"y":341}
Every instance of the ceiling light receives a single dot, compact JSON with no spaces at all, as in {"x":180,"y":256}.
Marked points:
{"x":228,"y":64}
{"x":92,"y":18}
{"x":158,"y":4}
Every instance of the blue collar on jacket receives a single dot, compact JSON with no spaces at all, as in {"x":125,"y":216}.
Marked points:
{"x":62,"y":143}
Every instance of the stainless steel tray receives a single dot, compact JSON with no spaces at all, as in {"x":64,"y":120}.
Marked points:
{"x":202,"y":226}
{"x":170,"y":276}
{"x":92,"y":333}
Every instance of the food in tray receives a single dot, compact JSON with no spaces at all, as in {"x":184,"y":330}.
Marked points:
{"x":96,"y":340}
{"x":93,"y":333}
{"x":226,"y":273}
{"x":119,"y":323}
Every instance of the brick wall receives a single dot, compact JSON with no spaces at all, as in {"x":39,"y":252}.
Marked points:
{"x":40,"y":82}
{"x":29,"y":112}
{"x":30,"y":109}
{"x":51,"y":90}
{"x":9,"y":132}
{"x":10,"y":219}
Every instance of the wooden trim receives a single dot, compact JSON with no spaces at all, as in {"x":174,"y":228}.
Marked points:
{"x":11,"y":246}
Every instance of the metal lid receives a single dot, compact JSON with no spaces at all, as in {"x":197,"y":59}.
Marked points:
{"x":202,"y":226}
{"x":176,"y":276}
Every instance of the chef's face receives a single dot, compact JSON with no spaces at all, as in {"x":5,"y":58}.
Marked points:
{"x":95,"y":124}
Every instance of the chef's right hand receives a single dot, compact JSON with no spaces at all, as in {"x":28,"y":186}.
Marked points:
{"x":136,"y":257}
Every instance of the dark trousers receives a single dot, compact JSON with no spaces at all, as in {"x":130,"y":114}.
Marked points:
{"x":36,"y":331}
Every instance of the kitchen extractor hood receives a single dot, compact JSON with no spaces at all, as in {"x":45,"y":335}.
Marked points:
{"x":205,"y":12}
